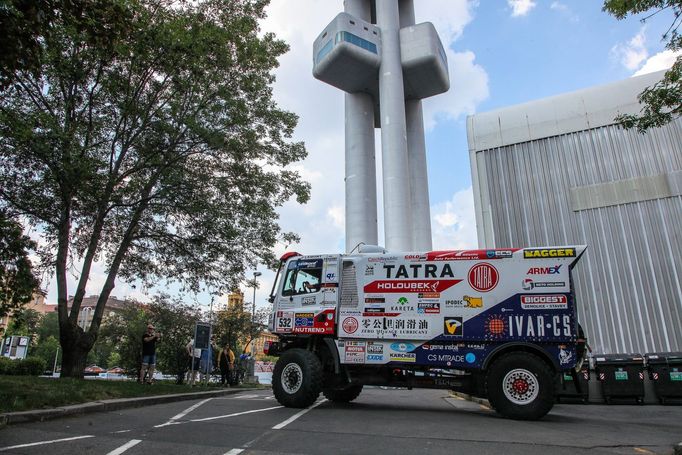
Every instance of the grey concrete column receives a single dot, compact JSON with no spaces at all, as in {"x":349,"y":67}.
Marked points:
{"x":396,"y":180}
{"x":419,"y":180}
{"x":416,"y":152}
{"x":361,"y":185}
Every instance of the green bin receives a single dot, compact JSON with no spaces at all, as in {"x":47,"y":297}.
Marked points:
{"x":621,"y":376}
{"x":665,"y":372}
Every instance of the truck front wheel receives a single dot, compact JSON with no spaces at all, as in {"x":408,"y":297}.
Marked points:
{"x":297,"y":378}
{"x":520,"y":386}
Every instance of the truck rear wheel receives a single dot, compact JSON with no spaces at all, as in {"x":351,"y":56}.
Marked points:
{"x":297,"y":378}
{"x":520,"y":386}
{"x":343,"y":395}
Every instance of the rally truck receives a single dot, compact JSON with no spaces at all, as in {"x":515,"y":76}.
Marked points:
{"x":499,"y":324}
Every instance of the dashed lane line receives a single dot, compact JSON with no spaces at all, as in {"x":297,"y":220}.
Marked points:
{"x":234,"y":452}
{"x":32,"y":444}
{"x":126,"y":446}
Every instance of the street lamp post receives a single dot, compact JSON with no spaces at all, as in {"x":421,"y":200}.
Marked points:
{"x":256,"y":274}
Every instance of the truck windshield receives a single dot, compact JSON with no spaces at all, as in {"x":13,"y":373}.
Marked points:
{"x":302,"y":277}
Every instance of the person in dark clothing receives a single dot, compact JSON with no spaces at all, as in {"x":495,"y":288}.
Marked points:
{"x":226,"y":365}
{"x":149,"y":339}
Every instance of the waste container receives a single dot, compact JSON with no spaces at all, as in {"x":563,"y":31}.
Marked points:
{"x":621,"y":376}
{"x":665,"y":371}
{"x":569,"y":390}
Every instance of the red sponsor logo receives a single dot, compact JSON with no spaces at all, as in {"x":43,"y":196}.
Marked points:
{"x":409,"y":286}
{"x":483,"y":277}
{"x":350,"y":325}
{"x":469,"y":255}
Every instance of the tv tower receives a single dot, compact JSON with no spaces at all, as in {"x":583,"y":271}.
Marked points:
{"x":386,"y":64}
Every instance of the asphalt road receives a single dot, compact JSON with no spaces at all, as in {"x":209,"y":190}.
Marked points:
{"x":379,"y":422}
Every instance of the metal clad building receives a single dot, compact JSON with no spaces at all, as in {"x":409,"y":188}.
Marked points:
{"x":558,"y":171}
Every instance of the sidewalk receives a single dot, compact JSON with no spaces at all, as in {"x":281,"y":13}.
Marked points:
{"x":39,"y":415}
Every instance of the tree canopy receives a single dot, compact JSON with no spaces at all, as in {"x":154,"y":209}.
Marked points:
{"x":149,"y":140}
{"x":17,"y":281}
{"x":661,"y":102}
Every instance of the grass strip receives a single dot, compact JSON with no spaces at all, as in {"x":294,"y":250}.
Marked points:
{"x":23,"y":393}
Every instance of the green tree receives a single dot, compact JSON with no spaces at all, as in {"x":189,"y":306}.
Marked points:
{"x":17,"y":282}
{"x":175,"y":321}
{"x":149,"y":139}
{"x":24,"y":322}
{"x":237,"y":328}
{"x":48,"y":327}
{"x":46,"y":349}
{"x":662,"y":102}
{"x":123,"y":330}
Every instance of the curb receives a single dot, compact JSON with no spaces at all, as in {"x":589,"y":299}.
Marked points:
{"x":474,"y":399}
{"x":40,"y":415}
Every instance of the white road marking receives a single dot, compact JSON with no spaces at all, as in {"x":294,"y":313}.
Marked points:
{"x":245,"y":397}
{"x":126,"y":446}
{"x":233,"y":415}
{"x":120,"y":431}
{"x":234,"y":452}
{"x":2,"y":449}
{"x":279,"y":426}
{"x":177,"y":417}
{"x":205,"y":419}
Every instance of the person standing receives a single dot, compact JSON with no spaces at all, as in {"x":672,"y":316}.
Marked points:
{"x":226,"y":365}
{"x":149,"y":339}
{"x":194,"y":355}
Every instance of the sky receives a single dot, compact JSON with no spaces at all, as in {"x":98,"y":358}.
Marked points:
{"x":500,"y":53}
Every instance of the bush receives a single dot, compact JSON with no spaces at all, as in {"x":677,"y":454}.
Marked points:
{"x":30,"y":366}
{"x":7,"y":366}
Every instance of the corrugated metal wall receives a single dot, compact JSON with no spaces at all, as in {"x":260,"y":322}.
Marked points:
{"x":629,"y":283}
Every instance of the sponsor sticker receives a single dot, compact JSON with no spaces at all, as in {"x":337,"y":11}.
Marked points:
{"x":483,"y":277}
{"x":403,"y":347}
{"x":402,"y":357}
{"x":428,"y":307}
{"x":308,"y":300}
{"x":350,"y":325}
{"x":544,"y":302}
{"x":537,"y":253}
{"x":375,"y":348}
{"x":528,"y":284}
{"x":354,"y":352}
{"x":304,"y":319}
{"x":453,"y":326}
{"x":473,"y":302}
{"x":544,"y":270}
{"x":409,"y":286}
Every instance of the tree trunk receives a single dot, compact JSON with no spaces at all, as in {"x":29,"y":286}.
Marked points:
{"x":76,"y":345}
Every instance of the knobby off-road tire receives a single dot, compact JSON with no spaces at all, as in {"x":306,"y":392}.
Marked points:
{"x":297,"y":378}
{"x":343,"y":395}
{"x":520,"y":386}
